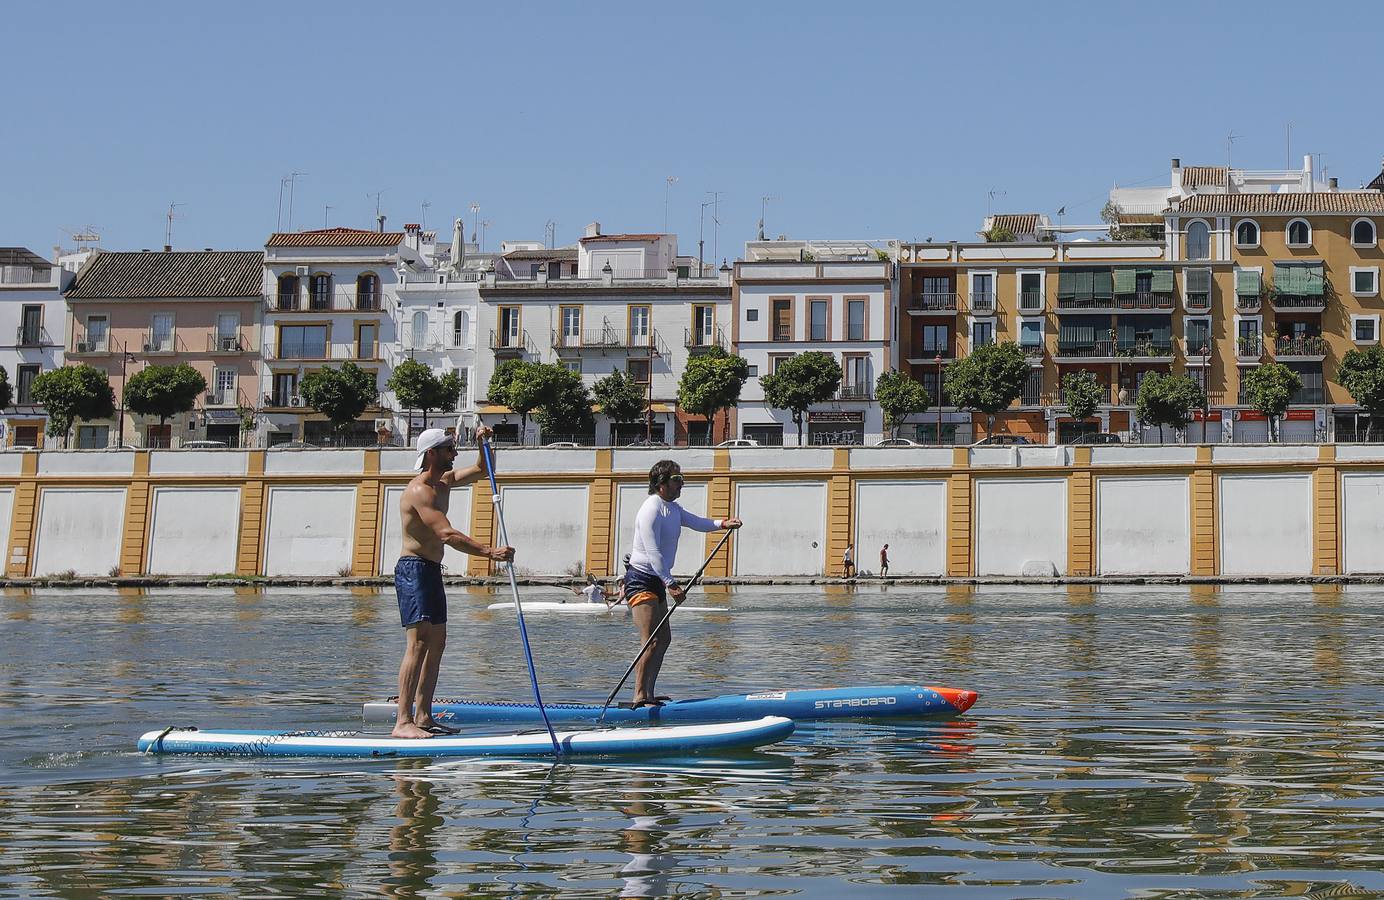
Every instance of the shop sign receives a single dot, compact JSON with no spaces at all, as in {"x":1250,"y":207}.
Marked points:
{"x":1250,"y":415}
{"x":836,"y":417}
{"x":1301,"y":415}
{"x":1213,"y":416}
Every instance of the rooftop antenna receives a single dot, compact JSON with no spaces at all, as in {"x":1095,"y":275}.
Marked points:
{"x":1230,"y":147}
{"x":475,"y":220}
{"x":87,"y":234}
{"x":379,"y":219}
{"x":667,"y":184}
{"x":550,"y":232}
{"x":168,"y":231}
{"x":325,"y":211}
{"x":1290,"y":145}
{"x":485,"y":223}
{"x":292,"y":181}
{"x":423,"y":215}
{"x":993,"y":194}
{"x":1061,"y":211}
{"x":715,"y":224}
{"x":763,"y":201}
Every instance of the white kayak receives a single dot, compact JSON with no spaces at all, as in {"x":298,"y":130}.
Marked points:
{"x":581,"y":607}
{"x":666,"y":740}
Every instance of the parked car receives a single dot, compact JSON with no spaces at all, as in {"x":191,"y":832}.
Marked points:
{"x":898,"y":442}
{"x":1002,"y":440}
{"x":738,"y":442}
{"x":294,"y":445}
{"x":204,"y":445}
{"x":564,"y":444}
{"x":647,"y":444}
{"x":1097,"y":438}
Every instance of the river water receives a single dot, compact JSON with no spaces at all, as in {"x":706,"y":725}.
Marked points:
{"x":1150,"y":742}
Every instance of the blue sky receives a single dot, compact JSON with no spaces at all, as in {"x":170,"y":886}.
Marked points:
{"x":871,"y":121}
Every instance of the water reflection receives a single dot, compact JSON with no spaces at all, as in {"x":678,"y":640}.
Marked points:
{"x":412,"y":855}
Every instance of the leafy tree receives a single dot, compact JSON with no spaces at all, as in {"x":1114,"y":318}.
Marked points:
{"x":1167,"y":400}
{"x":999,"y":235}
{"x":71,"y":393}
{"x":1110,"y":214}
{"x":1082,"y":394}
{"x":899,"y":397}
{"x":417,"y":387}
{"x":712,"y":382}
{"x":565,"y":403}
{"x":1269,"y":389}
{"x":6,"y":391}
{"x":517,"y":383}
{"x":989,"y":379}
{"x":164,"y":391}
{"x":622,"y":399}
{"x":802,"y":380}
{"x":1362,"y":373}
{"x":340,"y":394}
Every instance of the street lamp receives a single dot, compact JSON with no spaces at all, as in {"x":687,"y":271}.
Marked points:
{"x":125,"y":356}
{"x":938,"y":360}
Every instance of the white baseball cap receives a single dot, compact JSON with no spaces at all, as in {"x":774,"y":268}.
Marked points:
{"x":433,"y":437}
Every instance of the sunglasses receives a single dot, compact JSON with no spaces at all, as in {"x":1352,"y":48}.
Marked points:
{"x":676,"y":478}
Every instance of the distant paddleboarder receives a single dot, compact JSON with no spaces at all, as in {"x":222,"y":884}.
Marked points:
{"x":649,"y":580}
{"x":418,"y":575}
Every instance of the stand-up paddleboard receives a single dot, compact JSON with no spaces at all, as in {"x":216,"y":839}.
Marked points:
{"x":868,"y":702}
{"x":581,"y":607}
{"x":607,"y":742}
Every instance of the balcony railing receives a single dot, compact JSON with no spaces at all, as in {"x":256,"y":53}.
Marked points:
{"x":31,"y":336}
{"x":1086,"y":350}
{"x":982,"y":301}
{"x":1249,"y":347}
{"x":597,"y":338}
{"x":783,"y":333}
{"x":933,"y":302}
{"x":153,"y":342}
{"x":1144,"y":300}
{"x":224,"y":398}
{"x":505,"y":344}
{"x":1144,"y":349}
{"x":861,"y":390}
{"x":1304,"y":345}
{"x":227,"y":343}
{"x":1030,"y":301}
{"x":1247,"y":301}
{"x":1315,"y":302}
{"x":645,"y":341}
{"x":1198,"y":301}
{"x":339,"y":300}
{"x":697,"y":340}
{"x":1032,"y":351}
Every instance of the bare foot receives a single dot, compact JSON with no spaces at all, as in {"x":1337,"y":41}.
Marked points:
{"x":408,"y":730}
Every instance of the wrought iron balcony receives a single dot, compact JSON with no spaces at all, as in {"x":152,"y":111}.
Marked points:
{"x":226,"y":343}
{"x":982,"y":301}
{"x":1251,"y":347}
{"x":932,"y":302}
{"x":1086,"y":350}
{"x":1301,"y":347}
{"x":1145,"y":349}
{"x":32,"y":336}
{"x":862,"y":390}
{"x":699,"y":340}
{"x":1299,"y":302}
{"x":1031,"y":301}
{"x":505,"y":344}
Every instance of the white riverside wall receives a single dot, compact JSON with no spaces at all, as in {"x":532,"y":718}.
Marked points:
{"x":1234,"y":510}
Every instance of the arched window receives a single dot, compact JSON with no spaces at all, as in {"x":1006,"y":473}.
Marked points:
{"x":1299,"y":233}
{"x":368,"y":291}
{"x":420,"y":330}
{"x":320,"y":288}
{"x":1198,"y":241}
{"x":461,"y":327}
{"x":288,"y":291}
{"x":1362,"y":233}
{"x":1247,"y":234}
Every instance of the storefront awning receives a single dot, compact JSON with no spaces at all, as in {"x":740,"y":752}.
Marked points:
{"x":223,"y":416}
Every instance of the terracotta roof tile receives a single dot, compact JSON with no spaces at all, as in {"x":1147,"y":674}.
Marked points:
{"x":1344,"y":202}
{"x":1017,"y":223}
{"x":620,"y":237}
{"x":335,"y":237}
{"x":542,"y":254}
{"x":143,"y":276}
{"x":1205,"y":176}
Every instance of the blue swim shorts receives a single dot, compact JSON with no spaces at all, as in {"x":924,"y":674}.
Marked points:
{"x":418,"y":583}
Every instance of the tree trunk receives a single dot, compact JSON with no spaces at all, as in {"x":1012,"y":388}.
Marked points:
{"x":989,"y":425}
{"x":425,"y":418}
{"x":798,"y":420}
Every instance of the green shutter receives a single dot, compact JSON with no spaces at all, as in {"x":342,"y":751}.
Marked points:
{"x":1315,"y":280}
{"x":1162,"y":281}
{"x":1104,"y":286}
{"x":1124,"y":281}
{"x":1075,"y":285}
{"x":1198,"y":281}
{"x":1247,"y":282}
{"x":1298,"y":281}
{"x":1066,"y":284}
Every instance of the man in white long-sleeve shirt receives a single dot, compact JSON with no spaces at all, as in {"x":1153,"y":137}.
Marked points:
{"x":649,"y":579}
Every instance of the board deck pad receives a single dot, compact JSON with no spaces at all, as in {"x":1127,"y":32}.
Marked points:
{"x":721,"y":736}
{"x":863,"y":702}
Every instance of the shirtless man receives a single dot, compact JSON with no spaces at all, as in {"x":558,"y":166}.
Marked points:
{"x":418,"y":574}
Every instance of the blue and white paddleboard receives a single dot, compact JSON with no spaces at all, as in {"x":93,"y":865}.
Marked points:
{"x":867,"y":702}
{"x":607,"y":742}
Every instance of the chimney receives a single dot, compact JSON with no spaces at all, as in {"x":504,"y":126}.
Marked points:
{"x":379,"y":222}
{"x":1334,"y":185}
{"x":1176,"y":185}
{"x":592,"y":230}
{"x":1177,"y":163}
{"x":412,"y":233}
{"x":167,"y":248}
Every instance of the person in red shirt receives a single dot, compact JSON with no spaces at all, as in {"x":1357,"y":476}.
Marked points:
{"x":884,"y":561}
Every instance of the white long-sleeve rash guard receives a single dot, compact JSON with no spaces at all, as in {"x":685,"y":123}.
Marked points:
{"x":656,"y":530}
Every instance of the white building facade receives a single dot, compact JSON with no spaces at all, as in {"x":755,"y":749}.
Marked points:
{"x":330,"y":297}
{"x":630,"y":308}
{"x":836,"y":297}
{"x":436,"y":324}
{"x":33,"y":319}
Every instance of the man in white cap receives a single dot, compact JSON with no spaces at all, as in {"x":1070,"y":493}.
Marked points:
{"x":418,"y":574}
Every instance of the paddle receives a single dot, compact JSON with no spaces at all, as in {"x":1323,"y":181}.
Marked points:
{"x":514,"y":587}
{"x":653,"y":634}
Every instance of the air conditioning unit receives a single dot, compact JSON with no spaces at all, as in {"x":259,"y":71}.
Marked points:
{"x":295,"y":400}
{"x":86,"y":346}
{"x":303,"y":271}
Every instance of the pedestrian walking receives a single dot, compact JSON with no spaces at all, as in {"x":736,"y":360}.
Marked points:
{"x":848,"y":561}
{"x":884,"y":561}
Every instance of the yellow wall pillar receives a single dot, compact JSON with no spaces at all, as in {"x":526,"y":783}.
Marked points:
{"x":840,"y":510}
{"x":719,"y":503}
{"x":22,"y":519}
{"x":1205,"y":553}
{"x":136,"y":518}
{"x":959,"y":516}
{"x":249,"y":556}
{"x":1326,"y":535}
{"x":364,"y":561}
{"x":600,"y":512}
{"x":1080,"y":514}
{"x":482,"y":526}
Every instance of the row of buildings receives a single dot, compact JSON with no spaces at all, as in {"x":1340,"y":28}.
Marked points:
{"x":1211,"y":274}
